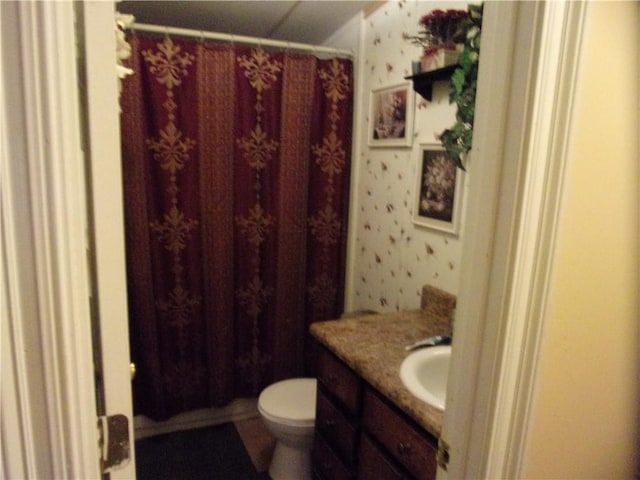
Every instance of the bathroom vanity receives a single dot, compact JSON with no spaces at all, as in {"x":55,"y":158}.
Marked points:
{"x":368,"y":425}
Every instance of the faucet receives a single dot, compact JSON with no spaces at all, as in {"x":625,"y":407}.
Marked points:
{"x":436,"y":339}
{"x":430,"y":342}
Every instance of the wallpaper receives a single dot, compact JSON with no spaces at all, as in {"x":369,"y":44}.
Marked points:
{"x":392,"y":258}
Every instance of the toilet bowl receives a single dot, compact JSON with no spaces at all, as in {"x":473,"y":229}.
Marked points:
{"x":288,"y":410}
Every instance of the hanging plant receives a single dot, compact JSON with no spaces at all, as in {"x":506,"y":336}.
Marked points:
{"x":457,"y":140}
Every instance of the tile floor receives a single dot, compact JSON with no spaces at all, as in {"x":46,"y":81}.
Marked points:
{"x":258,"y":442}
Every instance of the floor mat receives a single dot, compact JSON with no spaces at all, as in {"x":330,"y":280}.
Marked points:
{"x":212,"y":453}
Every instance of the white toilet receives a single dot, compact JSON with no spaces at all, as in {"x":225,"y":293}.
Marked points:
{"x":288,"y":409}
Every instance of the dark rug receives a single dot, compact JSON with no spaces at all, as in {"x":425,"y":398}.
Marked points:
{"x":212,"y":453}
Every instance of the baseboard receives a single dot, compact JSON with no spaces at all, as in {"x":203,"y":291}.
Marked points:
{"x":239,"y":409}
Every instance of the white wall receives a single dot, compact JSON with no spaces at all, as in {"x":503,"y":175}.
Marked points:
{"x":390,"y":258}
{"x":586,"y":409}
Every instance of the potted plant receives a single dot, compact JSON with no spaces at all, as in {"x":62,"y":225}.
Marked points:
{"x":438,"y":36}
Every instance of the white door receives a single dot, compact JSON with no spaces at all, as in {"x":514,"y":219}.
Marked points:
{"x":106,"y":215}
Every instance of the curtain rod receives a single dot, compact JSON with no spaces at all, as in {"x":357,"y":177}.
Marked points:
{"x":185,"y":32}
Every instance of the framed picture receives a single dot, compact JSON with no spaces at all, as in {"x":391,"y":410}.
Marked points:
{"x":391,"y":116}
{"x":438,"y":194}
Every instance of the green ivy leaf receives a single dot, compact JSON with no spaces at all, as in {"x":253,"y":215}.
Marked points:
{"x":457,"y":80}
{"x":457,"y":140}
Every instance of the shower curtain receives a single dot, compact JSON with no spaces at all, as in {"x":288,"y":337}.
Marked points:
{"x":236,"y":166}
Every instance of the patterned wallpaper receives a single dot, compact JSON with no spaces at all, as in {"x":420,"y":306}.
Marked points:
{"x":392,"y":257}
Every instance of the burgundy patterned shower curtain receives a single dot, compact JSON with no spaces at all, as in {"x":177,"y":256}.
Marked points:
{"x":236,"y":166}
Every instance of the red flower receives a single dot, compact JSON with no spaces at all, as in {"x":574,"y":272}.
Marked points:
{"x":440,"y":26}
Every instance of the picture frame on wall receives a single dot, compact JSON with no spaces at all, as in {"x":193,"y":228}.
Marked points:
{"x":391,"y":116}
{"x":439,"y":190}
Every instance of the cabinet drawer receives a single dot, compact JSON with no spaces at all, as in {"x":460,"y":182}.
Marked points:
{"x":326,"y":464}
{"x":374,"y":465}
{"x":340,"y":380}
{"x":409,"y":446}
{"x":336,"y":428}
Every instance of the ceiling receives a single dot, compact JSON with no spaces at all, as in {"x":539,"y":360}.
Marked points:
{"x":306,"y":21}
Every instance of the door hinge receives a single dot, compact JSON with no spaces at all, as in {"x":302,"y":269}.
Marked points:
{"x":113,"y":442}
{"x":442,"y":458}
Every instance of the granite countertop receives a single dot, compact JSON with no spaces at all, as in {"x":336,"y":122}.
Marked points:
{"x":373,"y":346}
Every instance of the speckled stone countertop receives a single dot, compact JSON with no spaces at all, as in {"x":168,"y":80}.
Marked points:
{"x":373,"y":346}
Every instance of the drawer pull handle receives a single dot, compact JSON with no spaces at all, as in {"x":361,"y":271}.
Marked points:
{"x":327,"y":467}
{"x":332,"y":378}
{"x":329,"y":423}
{"x":404,"y":448}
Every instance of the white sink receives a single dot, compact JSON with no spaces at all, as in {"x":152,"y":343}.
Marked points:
{"x":424,"y":372}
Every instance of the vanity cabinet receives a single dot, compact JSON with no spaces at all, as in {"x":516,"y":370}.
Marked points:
{"x":362,"y":435}
{"x":407,"y":443}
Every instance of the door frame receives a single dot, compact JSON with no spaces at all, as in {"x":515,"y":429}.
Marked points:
{"x":523,"y":122}
{"x":48,"y":255}
{"x":48,"y":398}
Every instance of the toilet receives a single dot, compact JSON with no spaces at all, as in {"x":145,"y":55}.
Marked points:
{"x":288,"y":409}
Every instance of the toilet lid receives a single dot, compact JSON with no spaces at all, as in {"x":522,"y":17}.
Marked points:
{"x":290,"y":400}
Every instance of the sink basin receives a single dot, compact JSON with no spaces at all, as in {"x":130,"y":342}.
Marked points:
{"x":424,"y":372}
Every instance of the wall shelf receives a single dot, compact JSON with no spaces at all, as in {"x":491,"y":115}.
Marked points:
{"x":423,"y":82}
